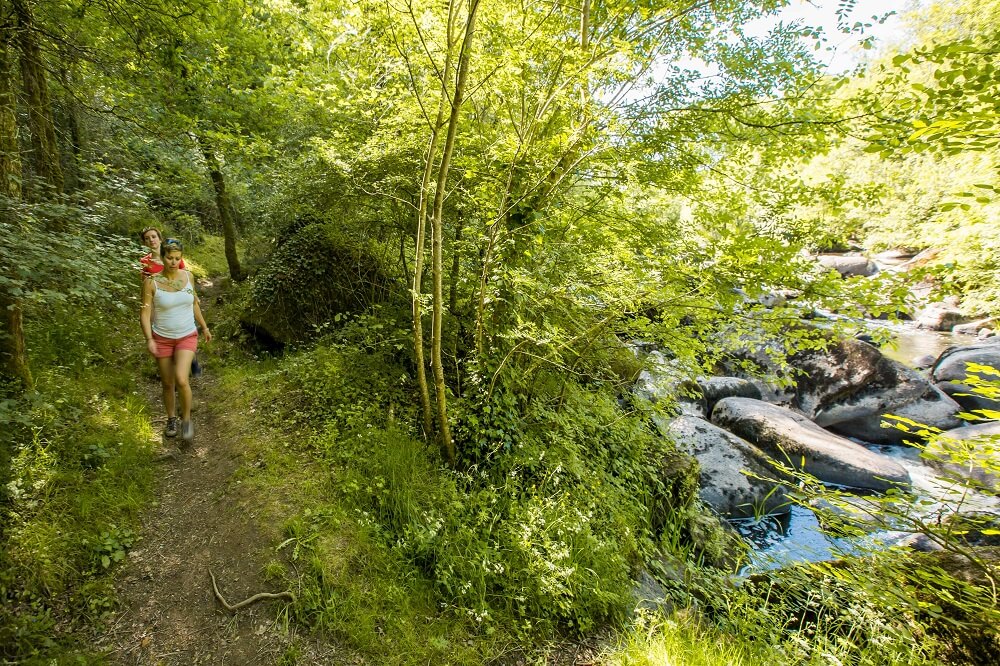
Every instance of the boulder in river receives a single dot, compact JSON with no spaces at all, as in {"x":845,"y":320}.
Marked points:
{"x":717,"y":388}
{"x":951,"y":372}
{"x":952,"y":366}
{"x":934,"y":408}
{"x":940,"y":317}
{"x":848,"y":265}
{"x":894,"y":257}
{"x":794,"y":439}
{"x":975,"y":327}
{"x":854,"y":383}
{"x":972,"y":452}
{"x":731,"y":470}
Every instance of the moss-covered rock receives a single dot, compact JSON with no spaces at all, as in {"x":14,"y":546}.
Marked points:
{"x":316,"y":274}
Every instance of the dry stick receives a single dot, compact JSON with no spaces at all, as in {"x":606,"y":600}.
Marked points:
{"x":246,"y":602}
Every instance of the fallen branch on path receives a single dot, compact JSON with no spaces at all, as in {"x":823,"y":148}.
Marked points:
{"x":246,"y":602}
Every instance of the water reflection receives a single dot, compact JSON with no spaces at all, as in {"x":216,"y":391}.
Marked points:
{"x":910,"y":343}
{"x":799,"y":537}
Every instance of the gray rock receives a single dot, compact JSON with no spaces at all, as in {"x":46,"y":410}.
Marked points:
{"x":717,"y":388}
{"x":854,"y":383}
{"x":940,"y":317}
{"x":649,"y":594}
{"x":792,"y":438}
{"x":922,"y":258}
{"x":723,"y":458}
{"x":971,"y":452}
{"x":893,"y":257}
{"x":848,"y":265}
{"x":923,"y":362}
{"x":684,"y":394}
{"x":986,"y":333}
{"x":934,"y":408}
{"x":951,"y":364}
{"x":918,"y":542}
{"x":974,"y":327}
{"x":951,"y":371}
{"x":965,"y":397}
{"x":772,"y":299}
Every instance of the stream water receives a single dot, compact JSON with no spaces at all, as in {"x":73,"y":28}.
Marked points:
{"x":798,"y":536}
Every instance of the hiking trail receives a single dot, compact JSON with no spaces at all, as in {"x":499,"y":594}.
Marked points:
{"x":202,"y":518}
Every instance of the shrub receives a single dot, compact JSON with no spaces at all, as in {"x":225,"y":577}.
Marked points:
{"x":318,"y":273}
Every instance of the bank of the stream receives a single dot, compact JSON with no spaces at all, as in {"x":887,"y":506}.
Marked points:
{"x":307,"y":476}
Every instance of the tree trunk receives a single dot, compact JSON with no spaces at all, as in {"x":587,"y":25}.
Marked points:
{"x":418,"y":269}
{"x":421,"y":238}
{"x":74,"y":179}
{"x":13,"y":354}
{"x":447,"y":444}
{"x":45,"y":149}
{"x":225,"y":207}
{"x":456,"y":265}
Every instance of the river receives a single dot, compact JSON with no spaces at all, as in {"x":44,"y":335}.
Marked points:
{"x":798,"y":536}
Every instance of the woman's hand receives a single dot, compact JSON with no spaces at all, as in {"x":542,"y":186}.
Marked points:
{"x":151,"y":347}
{"x":208,"y":334}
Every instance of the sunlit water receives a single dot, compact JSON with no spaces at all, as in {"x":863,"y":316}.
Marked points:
{"x":910,"y":343}
{"x":798,"y":537}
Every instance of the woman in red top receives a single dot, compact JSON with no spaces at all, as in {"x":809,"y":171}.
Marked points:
{"x":151,"y":264}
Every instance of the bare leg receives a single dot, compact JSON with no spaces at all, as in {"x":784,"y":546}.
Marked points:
{"x":182,"y":374}
{"x":167,"y":375}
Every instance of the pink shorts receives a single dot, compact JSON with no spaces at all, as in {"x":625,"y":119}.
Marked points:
{"x":165,"y":347}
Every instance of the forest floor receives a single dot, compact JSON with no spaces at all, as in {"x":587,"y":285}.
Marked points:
{"x":203,"y":518}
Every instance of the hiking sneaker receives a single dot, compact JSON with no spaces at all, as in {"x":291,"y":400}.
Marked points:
{"x":187,"y":431}
{"x":171,"y":430}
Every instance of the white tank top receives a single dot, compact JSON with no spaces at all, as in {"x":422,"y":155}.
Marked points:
{"x":173,"y":311}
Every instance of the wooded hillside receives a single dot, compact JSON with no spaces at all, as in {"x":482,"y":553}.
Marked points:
{"x":466,"y":263}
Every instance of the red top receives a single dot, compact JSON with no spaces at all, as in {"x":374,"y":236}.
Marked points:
{"x":150,"y":267}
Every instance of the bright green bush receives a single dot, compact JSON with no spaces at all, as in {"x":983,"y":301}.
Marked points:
{"x":79,"y":472}
{"x":543,"y":533}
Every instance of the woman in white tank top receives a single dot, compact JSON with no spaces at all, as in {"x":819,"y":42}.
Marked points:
{"x":170,"y":320}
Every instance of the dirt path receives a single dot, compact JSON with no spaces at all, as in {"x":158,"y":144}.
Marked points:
{"x":203,"y":518}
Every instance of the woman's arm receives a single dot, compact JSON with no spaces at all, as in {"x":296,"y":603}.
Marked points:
{"x":146,"y":315}
{"x":198,"y":318}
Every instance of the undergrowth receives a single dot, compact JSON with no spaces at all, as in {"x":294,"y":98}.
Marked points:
{"x":79,"y":476}
{"x":540,"y":540}
{"x":403,"y":560}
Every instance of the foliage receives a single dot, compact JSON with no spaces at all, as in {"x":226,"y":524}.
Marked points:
{"x":46,"y":268}
{"x":544,"y":533}
{"x":80,"y":475}
{"x":316,"y":275}
{"x":619,"y":172}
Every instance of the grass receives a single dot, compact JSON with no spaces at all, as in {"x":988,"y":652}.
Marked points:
{"x":207,"y":257}
{"x":81,"y":474}
{"x":680,"y":641}
{"x":350,"y":586}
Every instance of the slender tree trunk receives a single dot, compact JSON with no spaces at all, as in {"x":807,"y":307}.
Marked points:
{"x":74,"y":179}
{"x":418,"y":269}
{"x":456,"y":265}
{"x":225,"y":207}
{"x":45,"y":149}
{"x":13,"y":354}
{"x":421,"y":239}
{"x":447,"y":444}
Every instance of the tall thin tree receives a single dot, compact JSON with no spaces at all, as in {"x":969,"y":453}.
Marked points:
{"x":44,"y":147}
{"x":13,"y":353}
